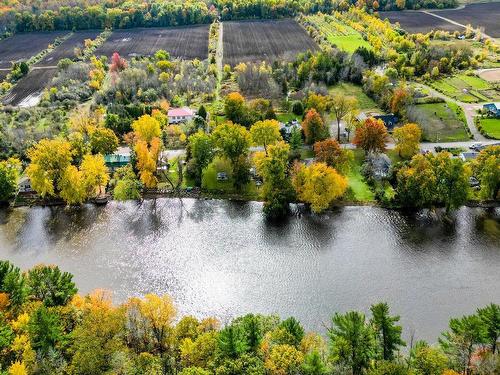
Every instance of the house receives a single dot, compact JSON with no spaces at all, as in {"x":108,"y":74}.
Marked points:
{"x":390,"y":120}
{"x":467,"y":156}
{"x":492,"y":109}
{"x":116,"y":161}
{"x":287,"y":129}
{"x":178,"y":115}
{"x":380,"y":165}
{"x":24,"y":185}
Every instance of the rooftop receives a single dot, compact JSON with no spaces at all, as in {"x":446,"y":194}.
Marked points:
{"x":180,"y":112}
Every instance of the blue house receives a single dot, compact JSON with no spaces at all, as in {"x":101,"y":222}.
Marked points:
{"x":492,"y":109}
{"x":390,"y":120}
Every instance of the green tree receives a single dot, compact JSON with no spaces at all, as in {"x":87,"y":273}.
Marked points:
{"x":490,"y":317}
{"x":51,"y":286}
{"x":202,"y":152}
{"x":9,"y":176}
{"x":251,"y":332}
{"x":388,"y":334}
{"x":428,"y":361}
{"x":460,"y":342}
{"x":277,"y":189}
{"x":13,"y":282}
{"x":45,"y":329}
{"x":341,"y":105}
{"x":351,"y":341}
{"x":389,"y":368}
{"x":486,"y":168}
{"x":231,"y":344}
{"x":235,"y":108}
{"x":127,"y":185}
{"x":294,"y":328}
{"x":313,"y":364}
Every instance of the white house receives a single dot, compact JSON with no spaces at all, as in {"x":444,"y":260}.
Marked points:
{"x":24,"y":185}
{"x":178,"y":115}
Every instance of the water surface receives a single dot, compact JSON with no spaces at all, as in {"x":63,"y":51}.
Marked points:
{"x":222,"y":258}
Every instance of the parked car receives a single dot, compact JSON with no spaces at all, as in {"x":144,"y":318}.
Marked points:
{"x":476,"y":146}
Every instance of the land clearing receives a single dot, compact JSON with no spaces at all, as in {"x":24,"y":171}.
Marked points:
{"x":491,"y":126}
{"x":349,"y":89}
{"x":490,"y":75}
{"x":484,"y":15}
{"x":66,"y":50}
{"x":418,"y":22}
{"x":23,"y":46}
{"x":339,"y":34}
{"x":467,"y":88}
{"x":256,"y":41}
{"x":181,"y":42}
{"x":26,"y":93}
{"x":440,"y":122}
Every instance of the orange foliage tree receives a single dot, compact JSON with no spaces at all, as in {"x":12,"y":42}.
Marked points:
{"x":314,"y":127}
{"x":371,"y":135}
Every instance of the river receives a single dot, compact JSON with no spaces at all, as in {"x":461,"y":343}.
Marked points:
{"x":222,"y":258}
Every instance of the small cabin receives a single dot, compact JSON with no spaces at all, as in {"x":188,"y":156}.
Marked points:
{"x":115,"y":161}
{"x":24,"y":185}
{"x":180,"y":115}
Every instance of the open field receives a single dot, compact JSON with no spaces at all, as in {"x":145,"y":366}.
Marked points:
{"x":349,"y":89}
{"x":491,"y":126}
{"x":269,"y":41}
{"x":468,"y":89}
{"x":440,"y":122}
{"x":418,"y":22}
{"x":67,"y":48}
{"x":339,"y":34}
{"x":490,"y":75}
{"x":485,"y":15}
{"x":27,"y":91}
{"x":23,"y":46}
{"x":182,"y":42}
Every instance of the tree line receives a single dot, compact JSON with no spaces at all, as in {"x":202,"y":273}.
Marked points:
{"x":29,"y":15}
{"x":47,"y":328}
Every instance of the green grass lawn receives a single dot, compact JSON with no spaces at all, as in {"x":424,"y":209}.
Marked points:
{"x":287,"y":116}
{"x":467,"y":89}
{"x":491,"y":126}
{"x":350,"y":89}
{"x":356,"y":181}
{"x":443,"y":122}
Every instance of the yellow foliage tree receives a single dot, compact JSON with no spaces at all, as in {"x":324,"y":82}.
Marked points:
{"x":72,"y":186}
{"x":265,"y":133}
{"x":284,"y":360}
{"x":146,"y":128}
{"x":407,"y":139}
{"x":95,"y":173}
{"x":318,"y":185}
{"x":147,"y":131}
{"x":18,"y":368}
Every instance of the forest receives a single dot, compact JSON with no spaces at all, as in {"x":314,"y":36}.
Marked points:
{"x":47,"y":328}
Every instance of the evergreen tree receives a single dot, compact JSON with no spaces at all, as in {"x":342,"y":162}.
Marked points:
{"x":388,"y":334}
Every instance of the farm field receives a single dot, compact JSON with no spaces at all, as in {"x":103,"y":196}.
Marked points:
{"x":440,"y":122}
{"x":181,"y":42}
{"x":254,"y":41}
{"x":491,"y":126}
{"x":468,"y":89}
{"x":66,"y":49}
{"x":485,"y":15}
{"x":418,"y":22}
{"x":26,"y":92}
{"x":24,"y":46}
{"x":339,"y":34}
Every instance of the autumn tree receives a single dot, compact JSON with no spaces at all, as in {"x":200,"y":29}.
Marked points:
{"x":94,"y":174}
{"x":330,"y":153}
{"x":103,"y":141}
{"x":276,"y":190}
{"x":284,"y":359}
{"x":232,"y":142}
{"x":340,"y":106}
{"x":314,"y":127}
{"x":371,"y":135}
{"x":117,"y":63}
{"x":407,"y":140}
{"x":265,"y":133}
{"x":147,"y":148}
{"x":486,"y":168}
{"x":9,"y":176}
{"x":49,"y":162}
{"x":235,"y":108}
{"x":318,"y":185}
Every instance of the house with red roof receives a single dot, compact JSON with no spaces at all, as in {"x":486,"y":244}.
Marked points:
{"x":178,"y":115}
